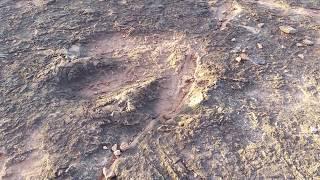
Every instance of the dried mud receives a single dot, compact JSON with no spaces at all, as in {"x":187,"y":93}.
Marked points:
{"x":165,"y":77}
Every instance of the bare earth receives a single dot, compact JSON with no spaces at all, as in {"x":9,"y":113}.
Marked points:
{"x":186,"y":89}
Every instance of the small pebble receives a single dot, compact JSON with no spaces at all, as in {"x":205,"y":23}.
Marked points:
{"x":117,"y":153}
{"x":259,"y":45}
{"x":299,"y":44}
{"x":114,"y":147}
{"x":238,"y":59}
{"x":233,"y":39}
{"x":244,"y":56}
{"x":301,"y":56}
{"x":108,"y":175}
{"x":124,"y":146}
{"x":105,"y":147}
{"x":288,"y":29}
{"x":260,"y":25}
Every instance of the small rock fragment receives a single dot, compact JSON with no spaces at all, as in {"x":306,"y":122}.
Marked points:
{"x":117,"y":153}
{"x":288,"y":29}
{"x":299,"y":44}
{"x":244,"y":56}
{"x":308,"y":42}
{"x":105,"y":147}
{"x":238,"y":59}
{"x":259,"y":45}
{"x":108,"y":174}
{"x":114,"y":147}
{"x":124,"y":146}
{"x":59,"y":172}
{"x":233,"y":39}
{"x":260,"y":25}
{"x":301,"y":56}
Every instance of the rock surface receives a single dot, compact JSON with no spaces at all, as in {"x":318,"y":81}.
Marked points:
{"x":160,"y":81}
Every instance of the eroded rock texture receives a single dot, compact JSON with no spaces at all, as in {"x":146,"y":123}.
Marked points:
{"x":194,"y":89}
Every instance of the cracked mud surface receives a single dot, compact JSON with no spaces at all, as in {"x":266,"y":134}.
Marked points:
{"x":209,"y":89}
